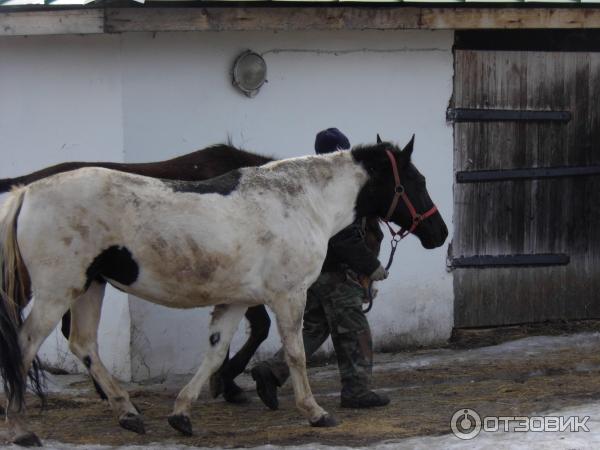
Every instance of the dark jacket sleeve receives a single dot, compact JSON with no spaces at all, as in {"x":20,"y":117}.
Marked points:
{"x":349,"y":247}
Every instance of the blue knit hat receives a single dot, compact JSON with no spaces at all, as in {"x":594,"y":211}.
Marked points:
{"x":330,"y":140}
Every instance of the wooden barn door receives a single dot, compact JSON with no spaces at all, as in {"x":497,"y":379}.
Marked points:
{"x":526,"y":114}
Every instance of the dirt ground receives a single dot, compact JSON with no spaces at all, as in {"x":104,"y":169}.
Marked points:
{"x":518,"y":377}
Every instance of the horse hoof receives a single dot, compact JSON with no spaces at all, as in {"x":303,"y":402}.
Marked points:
{"x":325,"y":421}
{"x":28,"y":439}
{"x":133,"y":422}
{"x":181,"y":423}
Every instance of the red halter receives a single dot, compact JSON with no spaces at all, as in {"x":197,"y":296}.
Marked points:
{"x":397,"y":236}
{"x":399,"y":193}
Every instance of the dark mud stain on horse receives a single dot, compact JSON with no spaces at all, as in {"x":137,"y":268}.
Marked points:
{"x":87,"y":362}
{"x":265,"y":181}
{"x":265,"y":238}
{"x":222,"y":185}
{"x":215,"y":338}
{"x":320,"y":172}
{"x":115,"y":263}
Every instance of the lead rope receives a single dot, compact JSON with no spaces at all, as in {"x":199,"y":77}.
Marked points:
{"x":396,"y":238}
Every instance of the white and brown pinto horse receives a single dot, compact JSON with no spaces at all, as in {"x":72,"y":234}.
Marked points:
{"x":254,"y":235}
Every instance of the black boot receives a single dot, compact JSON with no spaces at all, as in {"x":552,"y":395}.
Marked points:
{"x":266,"y":385}
{"x":369,"y":399}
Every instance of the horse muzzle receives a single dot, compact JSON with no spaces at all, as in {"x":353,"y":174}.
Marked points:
{"x":432,"y":232}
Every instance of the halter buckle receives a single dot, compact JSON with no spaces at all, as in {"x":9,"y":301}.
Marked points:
{"x":399,"y":189}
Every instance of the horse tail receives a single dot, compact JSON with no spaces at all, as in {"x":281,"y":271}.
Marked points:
{"x":15,"y":293}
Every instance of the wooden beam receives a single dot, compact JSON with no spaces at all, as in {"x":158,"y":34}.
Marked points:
{"x":15,"y":21}
{"x":511,"y":18}
{"x":376,"y":17}
{"x":534,"y":173}
{"x":45,"y":22}
{"x":278,"y":18}
{"x":532,"y":260}
{"x":504,"y":115}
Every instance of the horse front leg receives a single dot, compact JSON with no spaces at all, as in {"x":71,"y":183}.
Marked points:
{"x":289,"y":316}
{"x":224,"y":321}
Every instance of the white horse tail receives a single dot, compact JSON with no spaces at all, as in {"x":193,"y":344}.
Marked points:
{"x":15,"y":293}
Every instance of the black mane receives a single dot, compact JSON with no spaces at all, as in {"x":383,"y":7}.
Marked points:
{"x":377,"y":164}
{"x":373,"y":157}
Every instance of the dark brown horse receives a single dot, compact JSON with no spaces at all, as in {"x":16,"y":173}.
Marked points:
{"x":199,"y":165}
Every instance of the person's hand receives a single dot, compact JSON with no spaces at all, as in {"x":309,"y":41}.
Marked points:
{"x":379,"y":274}
{"x":374,"y":292}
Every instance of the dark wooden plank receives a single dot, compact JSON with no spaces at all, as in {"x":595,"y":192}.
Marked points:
{"x":495,"y":115}
{"x":485,"y":261}
{"x":479,"y":176}
{"x":529,"y":40}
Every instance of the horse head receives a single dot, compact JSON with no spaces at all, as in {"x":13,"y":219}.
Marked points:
{"x":396,"y":192}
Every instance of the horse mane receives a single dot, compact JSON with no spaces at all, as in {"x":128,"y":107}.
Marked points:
{"x":237,"y":156}
{"x":366,"y":150}
{"x":373,"y":156}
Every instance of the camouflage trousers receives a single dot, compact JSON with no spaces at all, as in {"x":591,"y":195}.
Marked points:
{"x":334,"y":308}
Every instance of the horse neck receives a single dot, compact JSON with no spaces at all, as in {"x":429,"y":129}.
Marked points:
{"x":330,"y":185}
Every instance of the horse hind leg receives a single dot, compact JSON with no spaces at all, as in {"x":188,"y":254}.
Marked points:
{"x":66,"y":332}
{"x":83,"y":342}
{"x":224,"y":322}
{"x":41,"y":321}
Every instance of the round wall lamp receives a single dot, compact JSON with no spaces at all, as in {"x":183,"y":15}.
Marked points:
{"x":249,"y":72}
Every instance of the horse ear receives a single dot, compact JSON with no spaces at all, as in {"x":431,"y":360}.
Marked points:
{"x":379,"y":141}
{"x":408,"y":148}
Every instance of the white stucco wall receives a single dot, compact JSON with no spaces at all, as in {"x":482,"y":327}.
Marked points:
{"x":143,"y":97}
{"x":178,"y":98}
{"x":60,"y":100}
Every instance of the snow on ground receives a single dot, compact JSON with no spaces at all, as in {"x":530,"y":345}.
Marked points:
{"x":514,"y":350}
{"x":518,"y":349}
{"x":498,"y":440}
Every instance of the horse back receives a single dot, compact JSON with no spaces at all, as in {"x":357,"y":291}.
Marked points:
{"x":199,"y":165}
{"x":177,"y":248}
